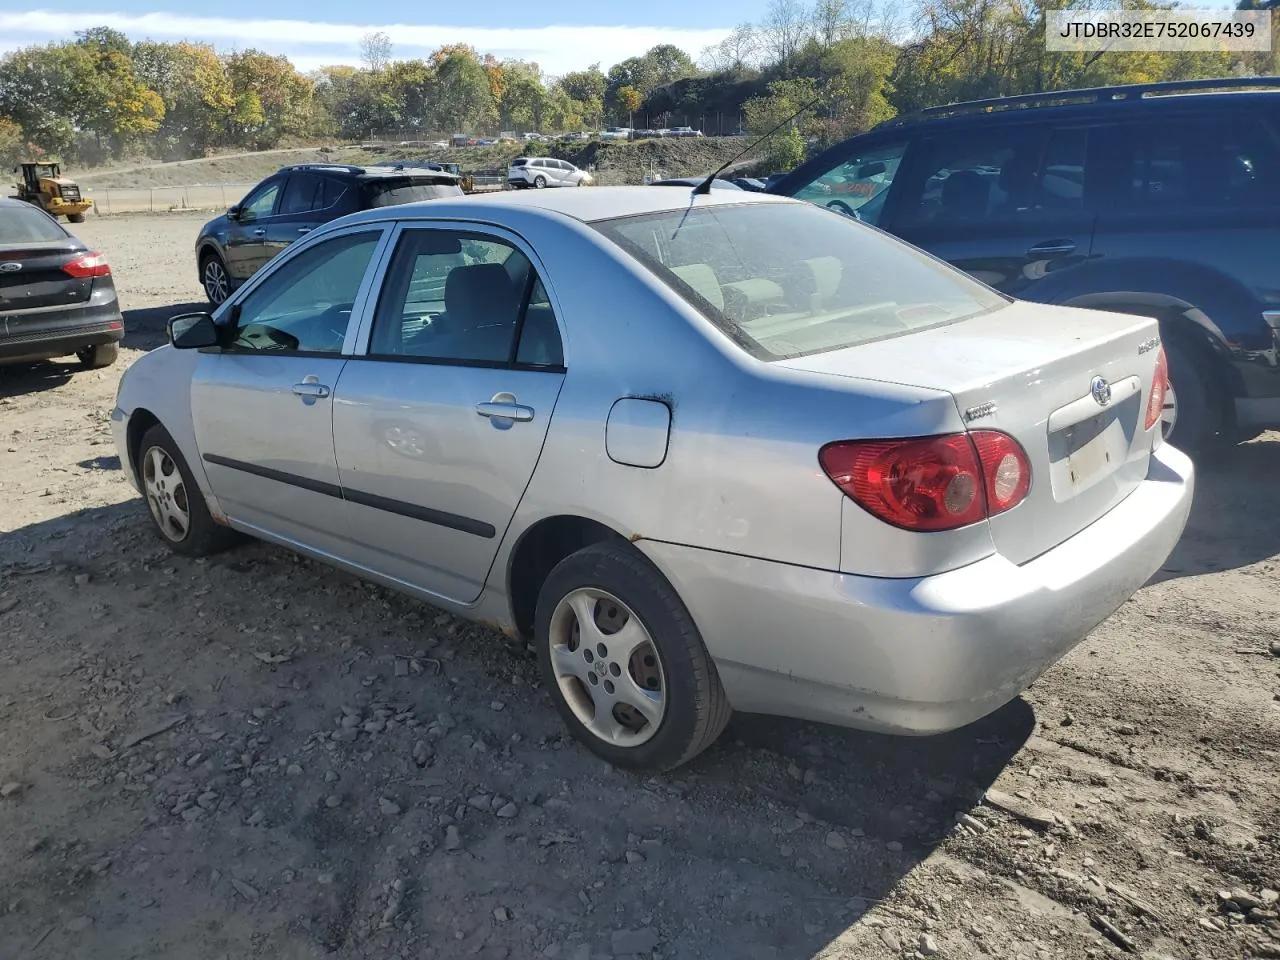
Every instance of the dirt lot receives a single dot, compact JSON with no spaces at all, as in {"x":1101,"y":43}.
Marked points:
{"x":255,"y":756}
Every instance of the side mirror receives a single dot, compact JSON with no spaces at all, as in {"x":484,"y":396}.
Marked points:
{"x":233,"y":212}
{"x":190,"y":331}
{"x":871,"y":169}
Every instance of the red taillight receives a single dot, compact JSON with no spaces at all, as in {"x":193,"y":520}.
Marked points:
{"x":87,"y":265}
{"x":1159,"y":386}
{"x":931,"y":483}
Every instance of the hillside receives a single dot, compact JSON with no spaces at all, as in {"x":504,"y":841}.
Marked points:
{"x":614,"y":163}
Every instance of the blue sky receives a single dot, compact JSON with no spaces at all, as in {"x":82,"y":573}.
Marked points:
{"x":317,"y":32}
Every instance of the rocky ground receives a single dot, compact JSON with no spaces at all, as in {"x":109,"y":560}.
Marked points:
{"x":255,"y":756}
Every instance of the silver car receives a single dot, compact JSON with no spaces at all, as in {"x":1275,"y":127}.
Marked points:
{"x":711,"y":452}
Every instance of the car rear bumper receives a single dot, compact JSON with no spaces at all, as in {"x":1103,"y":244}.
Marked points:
{"x":921,"y":656}
{"x":62,"y":330}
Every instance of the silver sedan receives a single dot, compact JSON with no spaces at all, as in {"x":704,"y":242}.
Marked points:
{"x":710,"y":452}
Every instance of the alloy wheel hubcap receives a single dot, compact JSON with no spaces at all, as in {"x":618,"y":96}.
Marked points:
{"x":166,"y":494}
{"x":215,"y":281}
{"x":607,"y":667}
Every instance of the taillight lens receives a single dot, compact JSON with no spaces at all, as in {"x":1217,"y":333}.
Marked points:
{"x":87,"y":265}
{"x":1159,"y":387}
{"x":931,"y":483}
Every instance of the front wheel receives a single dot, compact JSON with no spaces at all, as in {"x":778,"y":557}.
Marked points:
{"x":76,"y":217}
{"x":177,"y":506}
{"x":624,"y":661}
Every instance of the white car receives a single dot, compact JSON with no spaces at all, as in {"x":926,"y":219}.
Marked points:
{"x":616,"y":133}
{"x":539,"y":172}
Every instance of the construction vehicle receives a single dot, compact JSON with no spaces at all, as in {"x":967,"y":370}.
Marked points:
{"x":44,"y":185}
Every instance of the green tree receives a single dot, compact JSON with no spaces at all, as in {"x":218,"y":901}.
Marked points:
{"x":461,"y":94}
{"x":198,"y":100}
{"x":272,"y":98}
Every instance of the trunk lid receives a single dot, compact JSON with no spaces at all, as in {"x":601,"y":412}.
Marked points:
{"x":1028,"y":371}
{"x":38,"y":280}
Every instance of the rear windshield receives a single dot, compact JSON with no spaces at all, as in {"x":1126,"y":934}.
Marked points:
{"x":20,"y":223}
{"x":789,"y":280}
{"x":519,"y":162}
{"x":389,"y":193}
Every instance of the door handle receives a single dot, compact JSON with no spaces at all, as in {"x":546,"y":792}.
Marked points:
{"x":1052,"y":248}
{"x":503,"y":406}
{"x":310,"y":387}
{"x":259,"y":232}
{"x":304,"y":229}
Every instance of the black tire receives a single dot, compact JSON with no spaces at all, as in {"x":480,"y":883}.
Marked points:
{"x":1199,"y":423}
{"x":696,"y":706}
{"x":211,"y":266}
{"x":99,"y":356}
{"x":76,"y":217}
{"x":539,"y":181}
{"x":203,"y":537}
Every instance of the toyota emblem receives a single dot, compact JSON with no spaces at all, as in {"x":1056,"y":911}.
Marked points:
{"x":1101,"y":391}
{"x":10,"y":266}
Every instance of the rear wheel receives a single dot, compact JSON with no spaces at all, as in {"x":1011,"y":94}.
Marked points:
{"x":539,"y":181}
{"x":99,"y":356}
{"x":177,"y":506}
{"x":214,"y":278}
{"x":624,"y":661}
{"x":76,"y":217}
{"x":1192,"y":418}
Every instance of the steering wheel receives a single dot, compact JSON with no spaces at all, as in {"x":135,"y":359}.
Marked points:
{"x":839,"y":206}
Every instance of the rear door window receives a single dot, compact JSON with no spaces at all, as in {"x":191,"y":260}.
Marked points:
{"x":302,"y":194}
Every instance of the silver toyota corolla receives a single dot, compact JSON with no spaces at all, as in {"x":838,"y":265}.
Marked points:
{"x":712,"y":452}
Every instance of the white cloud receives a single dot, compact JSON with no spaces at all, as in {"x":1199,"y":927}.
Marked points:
{"x":556,"y":49}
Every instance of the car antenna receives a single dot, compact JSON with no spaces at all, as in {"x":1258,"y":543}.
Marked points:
{"x":705,"y":186}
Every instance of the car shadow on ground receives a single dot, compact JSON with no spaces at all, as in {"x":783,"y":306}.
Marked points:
{"x":145,"y":327}
{"x":807,"y":825}
{"x":1234,"y":522}
{"x":19,"y":379}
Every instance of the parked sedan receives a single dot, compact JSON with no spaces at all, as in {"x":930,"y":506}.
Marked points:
{"x":797,"y":467}
{"x":57,"y":297}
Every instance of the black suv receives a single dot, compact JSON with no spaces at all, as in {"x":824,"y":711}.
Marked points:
{"x":1160,"y":199}
{"x":294,"y":201}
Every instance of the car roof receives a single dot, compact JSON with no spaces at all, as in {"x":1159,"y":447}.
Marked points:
{"x":375,"y":171}
{"x":587,"y":204}
{"x":1158,"y":95}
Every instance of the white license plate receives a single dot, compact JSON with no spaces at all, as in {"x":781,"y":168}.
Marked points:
{"x":1093,"y":460}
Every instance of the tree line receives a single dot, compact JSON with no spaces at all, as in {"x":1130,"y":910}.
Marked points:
{"x":841,"y":66}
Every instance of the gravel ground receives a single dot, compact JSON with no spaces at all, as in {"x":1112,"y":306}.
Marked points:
{"x":256,"y":756}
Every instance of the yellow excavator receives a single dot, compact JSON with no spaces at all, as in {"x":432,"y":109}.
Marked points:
{"x":44,"y":185}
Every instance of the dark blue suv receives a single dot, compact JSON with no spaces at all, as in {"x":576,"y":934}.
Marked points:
{"x":1159,"y":199}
